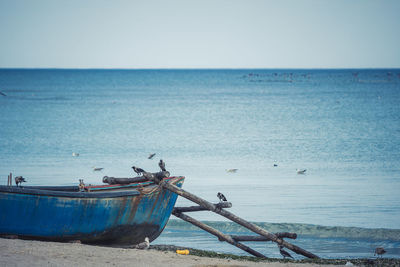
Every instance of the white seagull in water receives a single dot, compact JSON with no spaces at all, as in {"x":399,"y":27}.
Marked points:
{"x":75,"y":154}
{"x":301,"y":171}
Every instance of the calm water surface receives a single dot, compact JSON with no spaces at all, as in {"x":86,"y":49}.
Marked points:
{"x":343,"y":126}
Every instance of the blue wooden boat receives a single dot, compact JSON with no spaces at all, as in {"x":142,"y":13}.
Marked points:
{"x":106,"y":214}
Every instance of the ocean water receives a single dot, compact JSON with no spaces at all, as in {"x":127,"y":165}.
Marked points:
{"x":342,"y":126}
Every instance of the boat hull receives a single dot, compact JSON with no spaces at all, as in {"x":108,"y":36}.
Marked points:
{"x":122,"y":216}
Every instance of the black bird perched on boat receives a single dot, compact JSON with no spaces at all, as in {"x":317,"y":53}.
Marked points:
{"x":151,"y":155}
{"x":284,"y":253}
{"x":162,"y":165}
{"x":19,"y":180}
{"x":379,"y":251}
{"x":138,"y":170}
{"x":221,"y":197}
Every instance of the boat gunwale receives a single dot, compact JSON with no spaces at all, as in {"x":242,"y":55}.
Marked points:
{"x":103,"y":191}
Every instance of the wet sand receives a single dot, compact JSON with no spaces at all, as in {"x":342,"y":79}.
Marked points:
{"x":17,"y":252}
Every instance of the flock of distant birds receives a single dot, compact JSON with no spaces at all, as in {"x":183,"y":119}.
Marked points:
{"x":298,"y":77}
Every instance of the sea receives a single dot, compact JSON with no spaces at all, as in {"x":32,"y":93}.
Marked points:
{"x":340,"y":125}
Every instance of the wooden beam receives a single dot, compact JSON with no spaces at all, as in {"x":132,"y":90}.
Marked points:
{"x":221,"y":236}
{"x":231,"y":217}
{"x":262,"y":238}
{"x":200,"y":208}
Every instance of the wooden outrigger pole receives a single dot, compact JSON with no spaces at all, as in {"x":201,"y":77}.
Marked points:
{"x":221,"y":236}
{"x":204,"y":204}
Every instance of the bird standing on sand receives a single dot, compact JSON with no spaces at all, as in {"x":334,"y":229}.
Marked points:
{"x":151,"y":155}
{"x":19,"y":180}
{"x":379,"y":251}
{"x":162,"y":165}
{"x":221,"y":197}
{"x":139,"y":171}
{"x":284,"y":253}
{"x":143,"y":245}
{"x":301,"y":171}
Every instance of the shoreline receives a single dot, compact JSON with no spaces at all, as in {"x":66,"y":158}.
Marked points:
{"x":18,"y":252}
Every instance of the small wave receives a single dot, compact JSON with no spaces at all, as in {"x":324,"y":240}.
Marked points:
{"x":300,"y":229}
{"x":377,"y":81}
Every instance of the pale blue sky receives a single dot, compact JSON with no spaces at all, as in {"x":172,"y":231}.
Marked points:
{"x":200,"y":34}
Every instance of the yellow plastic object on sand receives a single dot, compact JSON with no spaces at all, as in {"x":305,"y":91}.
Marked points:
{"x":182,"y":251}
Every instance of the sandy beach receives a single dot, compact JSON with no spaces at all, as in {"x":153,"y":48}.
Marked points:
{"x":16,"y":252}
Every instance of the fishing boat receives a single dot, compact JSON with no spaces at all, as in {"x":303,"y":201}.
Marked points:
{"x":118,"y":213}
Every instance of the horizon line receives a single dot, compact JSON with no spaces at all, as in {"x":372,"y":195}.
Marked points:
{"x":191,"y":68}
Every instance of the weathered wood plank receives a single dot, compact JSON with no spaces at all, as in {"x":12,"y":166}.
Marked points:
{"x":262,"y":238}
{"x":221,"y":236}
{"x":200,"y":208}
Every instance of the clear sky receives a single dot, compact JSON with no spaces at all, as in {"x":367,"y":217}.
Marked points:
{"x":199,"y":34}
